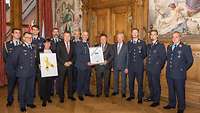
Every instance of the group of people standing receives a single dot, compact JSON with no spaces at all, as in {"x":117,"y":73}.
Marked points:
{"x":21,"y":56}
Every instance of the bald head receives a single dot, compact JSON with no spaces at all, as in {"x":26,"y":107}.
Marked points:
{"x":85,"y":36}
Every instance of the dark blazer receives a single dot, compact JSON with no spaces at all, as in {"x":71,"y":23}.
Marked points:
{"x":24,"y":61}
{"x":120,"y":60}
{"x":136,"y":55}
{"x":54,"y":44}
{"x":156,"y":56}
{"x":82,"y":55}
{"x":8,"y":55}
{"x":38,"y":43}
{"x":63,"y":56}
{"x":178,"y":61}
{"x":108,"y":54}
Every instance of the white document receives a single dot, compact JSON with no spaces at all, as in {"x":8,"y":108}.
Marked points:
{"x":48,"y":63}
{"x":96,"y":55}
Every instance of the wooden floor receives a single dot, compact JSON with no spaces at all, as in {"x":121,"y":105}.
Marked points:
{"x":90,"y":105}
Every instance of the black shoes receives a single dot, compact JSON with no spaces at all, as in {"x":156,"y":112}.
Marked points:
{"x":72,"y":98}
{"x":139,"y":101}
{"x":123,"y":95}
{"x":98,"y":95}
{"x":49,"y":101}
{"x":155,"y":104}
{"x":31,"y":106}
{"x":168,"y":107}
{"x":23,"y":109}
{"x":9,"y":104}
{"x":106,"y":95}
{"x":61,"y":100}
{"x":114,"y":94}
{"x":44,"y":104}
{"x":89,"y":95}
{"x":130,"y":98}
{"x":147,"y":99}
{"x":180,"y":111}
{"x":81,"y":98}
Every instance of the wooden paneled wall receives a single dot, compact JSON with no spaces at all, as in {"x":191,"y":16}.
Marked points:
{"x":112,"y":16}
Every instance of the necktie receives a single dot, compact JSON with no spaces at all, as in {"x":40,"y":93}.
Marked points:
{"x":16,"y":43}
{"x":118,"y":48}
{"x":173,"y":46}
{"x":103,"y":47}
{"x":68,"y":47}
{"x":29,"y":46}
{"x":134,"y":42}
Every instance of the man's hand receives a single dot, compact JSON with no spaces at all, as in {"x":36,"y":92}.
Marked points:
{"x":67,"y":64}
{"x":90,"y":64}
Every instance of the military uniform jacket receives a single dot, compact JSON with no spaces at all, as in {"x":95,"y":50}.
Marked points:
{"x":178,"y":61}
{"x":9,"y":48}
{"x":156,"y":56}
{"x":54,"y":44}
{"x":136,"y":55}
{"x":24,"y":61}
{"x":82,"y":55}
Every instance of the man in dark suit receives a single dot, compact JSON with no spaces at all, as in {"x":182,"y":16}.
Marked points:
{"x":137,"y":52}
{"x":55,"y":41}
{"x":83,"y":66}
{"x":120,"y":64}
{"x":9,"y":48}
{"x":24,"y":61}
{"x":156,"y":55}
{"x":179,"y":60}
{"x":103,"y":70}
{"x":65,"y":51}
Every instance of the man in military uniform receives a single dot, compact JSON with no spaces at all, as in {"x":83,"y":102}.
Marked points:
{"x":55,"y":41}
{"x":8,"y":50}
{"x":179,"y":60}
{"x":24,"y":61}
{"x":76,"y":38}
{"x":38,"y":44}
{"x":156,"y":56}
{"x":137,"y":51}
{"x":83,"y":64}
{"x":38,"y":41}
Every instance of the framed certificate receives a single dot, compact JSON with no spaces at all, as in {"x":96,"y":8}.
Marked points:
{"x":96,"y":55}
{"x":48,"y":65}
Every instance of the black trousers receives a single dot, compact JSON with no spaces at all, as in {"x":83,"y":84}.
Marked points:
{"x":103,"y":78}
{"x":45,"y":86}
{"x":62,"y":76}
{"x":74,"y":78}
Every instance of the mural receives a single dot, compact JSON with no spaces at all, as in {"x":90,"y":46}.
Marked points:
{"x":175,"y":15}
{"x":68,"y":15}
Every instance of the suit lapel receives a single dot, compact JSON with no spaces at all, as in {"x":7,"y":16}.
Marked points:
{"x":65,"y":49}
